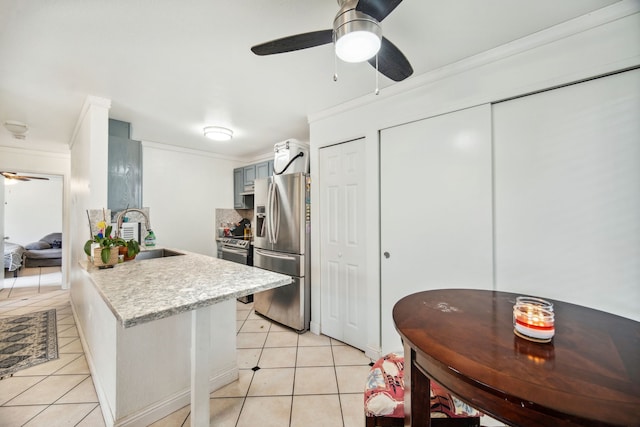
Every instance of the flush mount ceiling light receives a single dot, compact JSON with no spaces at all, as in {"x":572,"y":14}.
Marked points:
{"x":358,"y":36}
{"x":218,"y":133}
{"x":18,"y":129}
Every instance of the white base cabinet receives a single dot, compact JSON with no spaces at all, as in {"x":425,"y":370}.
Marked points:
{"x":142,"y":373}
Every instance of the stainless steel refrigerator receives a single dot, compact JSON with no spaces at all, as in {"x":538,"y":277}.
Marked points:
{"x":281,"y":244}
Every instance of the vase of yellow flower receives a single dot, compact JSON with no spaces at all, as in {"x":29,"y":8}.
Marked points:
{"x":99,"y":247}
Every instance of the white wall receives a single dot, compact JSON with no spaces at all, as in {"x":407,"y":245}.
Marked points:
{"x":601,"y":42}
{"x":88,"y":190}
{"x":183,"y":188}
{"x":33,"y":209}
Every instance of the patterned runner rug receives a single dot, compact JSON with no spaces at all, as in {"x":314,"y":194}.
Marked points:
{"x":27,"y":340}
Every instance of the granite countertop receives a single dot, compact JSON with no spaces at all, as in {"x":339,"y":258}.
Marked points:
{"x":141,"y":291}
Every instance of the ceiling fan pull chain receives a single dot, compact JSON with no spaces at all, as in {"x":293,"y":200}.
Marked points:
{"x":377,"y":92}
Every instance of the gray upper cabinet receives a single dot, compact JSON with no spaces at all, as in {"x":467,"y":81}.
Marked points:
{"x":264,"y":169}
{"x":125,"y":168}
{"x":249,"y":173}
{"x":238,"y":189}
{"x":244,"y":181}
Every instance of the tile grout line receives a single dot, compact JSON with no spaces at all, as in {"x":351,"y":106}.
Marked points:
{"x":253,"y":374}
{"x":295,"y":374}
{"x":335,"y":372}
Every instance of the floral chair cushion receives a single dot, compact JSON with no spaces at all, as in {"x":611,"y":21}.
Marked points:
{"x":384,"y":393}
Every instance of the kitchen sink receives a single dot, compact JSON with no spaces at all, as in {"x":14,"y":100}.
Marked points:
{"x":156,"y":253}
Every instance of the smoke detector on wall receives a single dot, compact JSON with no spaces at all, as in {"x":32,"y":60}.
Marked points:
{"x":18,"y":129}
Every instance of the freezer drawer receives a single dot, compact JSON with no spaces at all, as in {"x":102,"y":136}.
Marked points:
{"x":288,"y":305}
{"x":291,"y":264}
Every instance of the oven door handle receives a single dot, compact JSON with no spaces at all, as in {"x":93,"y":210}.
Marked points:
{"x":242,"y":252}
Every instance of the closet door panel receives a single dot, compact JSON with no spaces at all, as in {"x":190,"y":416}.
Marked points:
{"x":435,"y":196}
{"x":567,"y":194}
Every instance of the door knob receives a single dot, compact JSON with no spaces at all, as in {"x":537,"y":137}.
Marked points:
{"x":387,"y":255}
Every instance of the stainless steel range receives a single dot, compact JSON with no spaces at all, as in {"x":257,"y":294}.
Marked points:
{"x":236,"y":249}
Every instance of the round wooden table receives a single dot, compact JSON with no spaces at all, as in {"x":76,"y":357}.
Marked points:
{"x":589,"y":374}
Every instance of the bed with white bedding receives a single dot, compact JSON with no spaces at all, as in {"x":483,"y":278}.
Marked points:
{"x":13,"y":257}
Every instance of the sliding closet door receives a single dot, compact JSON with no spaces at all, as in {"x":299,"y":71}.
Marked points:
{"x":435,"y":208}
{"x":567,"y":194}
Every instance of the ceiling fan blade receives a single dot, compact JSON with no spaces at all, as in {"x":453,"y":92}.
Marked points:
{"x":297,"y":42}
{"x":13,"y":175}
{"x":34,"y":177}
{"x":392,"y":62}
{"x":378,"y":9}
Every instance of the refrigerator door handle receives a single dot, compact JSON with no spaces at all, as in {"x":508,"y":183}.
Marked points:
{"x":269,"y":213}
{"x":273,"y":206}
{"x":276,"y":206}
{"x":274,"y":255}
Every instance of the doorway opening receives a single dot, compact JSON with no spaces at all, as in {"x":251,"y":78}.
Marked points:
{"x":32,"y":225}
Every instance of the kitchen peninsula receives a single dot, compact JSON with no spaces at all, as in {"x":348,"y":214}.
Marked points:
{"x":152,"y":329}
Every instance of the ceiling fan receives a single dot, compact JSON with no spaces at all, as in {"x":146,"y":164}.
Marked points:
{"x":356,"y":30}
{"x":15,"y":176}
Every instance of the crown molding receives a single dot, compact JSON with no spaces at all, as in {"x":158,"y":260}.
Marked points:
{"x":558,"y":32}
{"x":36,"y":152}
{"x":184,"y":150}
{"x":89,"y":102}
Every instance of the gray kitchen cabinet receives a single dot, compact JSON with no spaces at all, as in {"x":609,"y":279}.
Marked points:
{"x":244,"y":181}
{"x":238,"y":188}
{"x":249,"y":175}
{"x":264,"y":169}
{"x":124,"y":168}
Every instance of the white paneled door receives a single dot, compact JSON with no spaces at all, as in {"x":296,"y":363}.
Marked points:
{"x":342,"y":245}
{"x":435,"y":213}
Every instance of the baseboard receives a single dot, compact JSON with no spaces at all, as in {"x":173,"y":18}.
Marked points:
{"x":315,"y":328}
{"x":373,"y":353}
{"x":102,"y":398}
{"x":162,"y":408}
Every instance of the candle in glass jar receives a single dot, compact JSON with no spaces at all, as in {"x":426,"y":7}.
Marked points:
{"x":534,"y":320}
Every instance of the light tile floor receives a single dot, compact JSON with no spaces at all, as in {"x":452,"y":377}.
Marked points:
{"x":303,"y":380}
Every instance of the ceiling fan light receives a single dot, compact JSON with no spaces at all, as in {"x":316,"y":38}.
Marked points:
{"x":218,"y":133}
{"x":357,"y":46}
{"x":358,"y":37}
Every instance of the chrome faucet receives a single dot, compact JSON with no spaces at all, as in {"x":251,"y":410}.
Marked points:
{"x":121,"y":215}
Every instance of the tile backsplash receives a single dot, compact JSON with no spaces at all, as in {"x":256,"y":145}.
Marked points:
{"x":233,"y":216}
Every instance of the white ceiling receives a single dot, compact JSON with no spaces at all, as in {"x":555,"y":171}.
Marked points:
{"x":172,"y":67}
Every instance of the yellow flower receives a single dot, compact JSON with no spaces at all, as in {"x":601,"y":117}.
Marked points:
{"x":101,"y":225}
